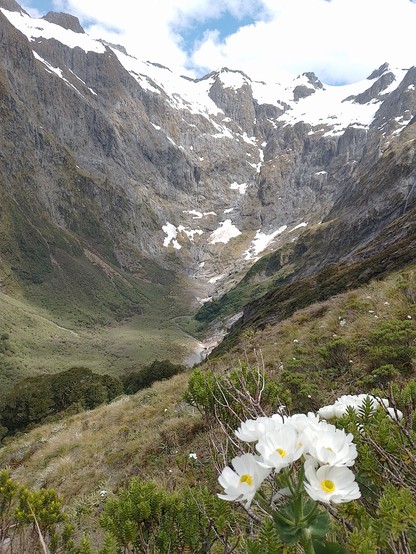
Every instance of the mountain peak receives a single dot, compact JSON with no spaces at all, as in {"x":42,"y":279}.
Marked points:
{"x":379,"y":72}
{"x":308,"y":84}
{"x":11,"y":6}
{"x":313,"y":79}
{"x":65,"y":20}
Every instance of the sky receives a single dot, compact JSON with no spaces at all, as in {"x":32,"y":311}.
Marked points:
{"x":341,"y":41}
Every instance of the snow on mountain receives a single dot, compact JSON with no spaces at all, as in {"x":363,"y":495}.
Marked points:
{"x":331,"y":107}
{"x":327,"y":108}
{"x":261,"y":242}
{"x":272,"y":154}
{"x":35,"y":29}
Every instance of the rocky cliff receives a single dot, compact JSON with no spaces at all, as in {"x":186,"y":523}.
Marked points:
{"x":147,"y":169}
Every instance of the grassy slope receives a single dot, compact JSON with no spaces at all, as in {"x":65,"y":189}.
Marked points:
{"x":152,"y":433}
{"x":391,"y":250}
{"x":41,"y":343}
{"x":66,"y":302}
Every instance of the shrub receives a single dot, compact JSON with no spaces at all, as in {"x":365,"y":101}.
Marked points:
{"x":156,"y":371}
{"x":34,"y":521}
{"x":392,"y":342}
{"x":36,"y":398}
{"x":143,"y":517}
{"x":337,"y":353}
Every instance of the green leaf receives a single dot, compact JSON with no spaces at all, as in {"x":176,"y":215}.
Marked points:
{"x":288,"y":533}
{"x":320,"y":525}
{"x":329,"y":548}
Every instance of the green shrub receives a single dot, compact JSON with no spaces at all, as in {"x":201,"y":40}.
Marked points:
{"x":145,"y":518}
{"x":36,"y":398}
{"x":392,"y":342}
{"x":34,"y":521}
{"x":337,"y":353}
{"x":156,"y":371}
{"x":223,"y":395}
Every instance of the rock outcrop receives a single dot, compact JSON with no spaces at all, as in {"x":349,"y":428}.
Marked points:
{"x":198,"y":177}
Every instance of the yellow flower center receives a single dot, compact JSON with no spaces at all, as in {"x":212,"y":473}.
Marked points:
{"x":281,"y":452}
{"x":327,"y":485}
{"x":246,"y":478}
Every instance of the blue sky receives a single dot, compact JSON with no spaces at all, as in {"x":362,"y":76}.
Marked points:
{"x":342,"y":41}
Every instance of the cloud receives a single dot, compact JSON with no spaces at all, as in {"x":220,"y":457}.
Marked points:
{"x":340,"y":40}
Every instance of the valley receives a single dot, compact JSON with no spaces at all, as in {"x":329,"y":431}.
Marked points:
{"x":179,"y":255}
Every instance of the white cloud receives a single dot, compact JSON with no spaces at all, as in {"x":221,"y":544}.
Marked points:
{"x":340,"y":40}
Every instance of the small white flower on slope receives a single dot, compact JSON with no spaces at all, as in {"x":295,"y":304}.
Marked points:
{"x":354,"y":401}
{"x":193,"y":456}
{"x":252,"y":429}
{"x":279,"y":448}
{"x":244,"y":481}
{"x":329,"y":445}
{"x":394,"y":413}
{"x":330,"y":484}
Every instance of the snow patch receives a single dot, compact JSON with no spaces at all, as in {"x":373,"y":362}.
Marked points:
{"x":261,"y":242}
{"x":171,"y":234}
{"x":303,"y":224}
{"x":216,"y":278}
{"x":225,"y":232}
{"x":241,"y":188}
{"x":57,"y":71}
{"x":203,"y":300}
{"x":232,"y":79}
{"x":190,"y":233}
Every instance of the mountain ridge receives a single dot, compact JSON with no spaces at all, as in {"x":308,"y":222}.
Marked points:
{"x":196,"y":177}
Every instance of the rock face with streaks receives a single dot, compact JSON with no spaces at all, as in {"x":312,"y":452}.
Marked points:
{"x":196,"y":176}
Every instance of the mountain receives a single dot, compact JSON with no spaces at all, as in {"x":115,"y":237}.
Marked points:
{"x":116,"y":173}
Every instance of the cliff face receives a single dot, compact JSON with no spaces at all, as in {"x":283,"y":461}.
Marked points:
{"x":198,"y":177}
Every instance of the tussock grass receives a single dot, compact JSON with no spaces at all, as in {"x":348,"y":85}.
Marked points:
{"x":135,"y":435}
{"x":325,"y":344}
{"x":151,"y":433}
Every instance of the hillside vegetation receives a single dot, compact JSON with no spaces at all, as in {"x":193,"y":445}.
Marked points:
{"x":168,"y":440}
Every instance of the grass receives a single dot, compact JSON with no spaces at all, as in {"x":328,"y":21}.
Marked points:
{"x":328,"y":347}
{"x":151,"y":434}
{"x":65,"y":301}
{"x":40,"y":342}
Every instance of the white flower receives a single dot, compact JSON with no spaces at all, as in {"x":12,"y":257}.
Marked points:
{"x":301,"y":421}
{"x":327,"y":412}
{"x":242,"y":482}
{"x":394,"y":413}
{"x":281,"y":447}
{"x":354,"y":401}
{"x":193,"y":456}
{"x":330,"y":483}
{"x":252,"y":429}
{"x":103,"y":493}
{"x":329,"y":445}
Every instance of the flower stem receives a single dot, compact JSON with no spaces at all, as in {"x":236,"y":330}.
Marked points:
{"x":306,"y":542}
